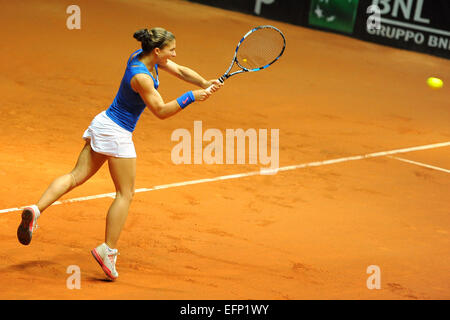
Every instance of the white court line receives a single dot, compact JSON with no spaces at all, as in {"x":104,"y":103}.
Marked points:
{"x":421,"y":164}
{"x":254,"y":173}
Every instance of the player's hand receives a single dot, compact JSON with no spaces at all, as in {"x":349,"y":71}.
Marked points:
{"x":201,"y":95}
{"x":217,"y":85}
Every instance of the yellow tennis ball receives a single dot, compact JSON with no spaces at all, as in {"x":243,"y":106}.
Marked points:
{"x":435,"y":83}
{"x":245,"y":60}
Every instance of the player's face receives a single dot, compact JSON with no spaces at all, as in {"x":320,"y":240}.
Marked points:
{"x":168,"y":52}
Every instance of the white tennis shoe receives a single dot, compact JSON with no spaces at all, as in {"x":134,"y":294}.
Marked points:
{"x":106,"y":258}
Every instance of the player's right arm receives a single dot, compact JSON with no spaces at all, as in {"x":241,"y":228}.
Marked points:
{"x":143,"y":84}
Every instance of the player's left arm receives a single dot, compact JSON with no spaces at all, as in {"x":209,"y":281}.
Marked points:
{"x":188,"y":75}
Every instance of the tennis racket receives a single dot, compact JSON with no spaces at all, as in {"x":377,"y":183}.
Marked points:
{"x":257,"y":50}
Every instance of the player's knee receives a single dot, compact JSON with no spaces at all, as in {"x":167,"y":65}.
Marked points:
{"x":78,"y":178}
{"x":74,"y":182}
{"x":125,"y":194}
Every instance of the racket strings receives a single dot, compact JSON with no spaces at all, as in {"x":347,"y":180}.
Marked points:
{"x":260,"y":48}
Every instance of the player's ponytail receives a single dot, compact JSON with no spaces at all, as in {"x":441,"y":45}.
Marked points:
{"x":154,"y":38}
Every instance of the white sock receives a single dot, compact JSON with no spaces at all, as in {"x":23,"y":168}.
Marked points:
{"x":36,"y":209}
{"x":107,"y":247}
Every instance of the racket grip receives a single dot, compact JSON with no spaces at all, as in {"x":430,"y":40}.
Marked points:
{"x":208,"y":90}
{"x":211,"y":86}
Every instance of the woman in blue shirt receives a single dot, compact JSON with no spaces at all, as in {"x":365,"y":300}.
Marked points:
{"x":109,"y":137}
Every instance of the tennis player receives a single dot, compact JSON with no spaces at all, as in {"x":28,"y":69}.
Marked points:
{"x":109,"y":137}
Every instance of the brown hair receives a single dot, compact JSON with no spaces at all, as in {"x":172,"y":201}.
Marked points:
{"x":154,"y":38}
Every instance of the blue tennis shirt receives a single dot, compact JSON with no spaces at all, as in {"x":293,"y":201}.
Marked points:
{"x":128,"y":105}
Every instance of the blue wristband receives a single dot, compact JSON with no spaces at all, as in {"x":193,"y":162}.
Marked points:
{"x":186,"y":99}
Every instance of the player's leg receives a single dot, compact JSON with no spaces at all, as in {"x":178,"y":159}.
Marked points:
{"x":89,"y":162}
{"x":87,"y":165}
{"x":123,"y":174}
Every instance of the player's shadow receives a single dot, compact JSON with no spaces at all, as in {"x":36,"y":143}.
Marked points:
{"x":98,"y":279}
{"x":39,"y":265}
{"x":29,"y":265}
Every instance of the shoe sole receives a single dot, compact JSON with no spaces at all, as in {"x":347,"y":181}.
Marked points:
{"x":23,"y":232}
{"x":100,"y":262}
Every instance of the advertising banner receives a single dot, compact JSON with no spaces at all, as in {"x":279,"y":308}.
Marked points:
{"x":335,"y":15}
{"x":418,"y":25}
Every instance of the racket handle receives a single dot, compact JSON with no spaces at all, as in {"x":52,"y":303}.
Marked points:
{"x":208,"y":90}
{"x":211,"y":86}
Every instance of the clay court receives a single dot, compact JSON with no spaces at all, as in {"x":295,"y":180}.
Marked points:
{"x":309,"y":231}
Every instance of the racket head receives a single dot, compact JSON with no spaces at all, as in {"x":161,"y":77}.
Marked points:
{"x":259,"y":48}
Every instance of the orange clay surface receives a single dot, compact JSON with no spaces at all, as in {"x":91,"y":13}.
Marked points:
{"x":308,"y":233}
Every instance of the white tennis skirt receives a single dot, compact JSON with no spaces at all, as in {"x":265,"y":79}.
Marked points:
{"x":108,"y":138}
